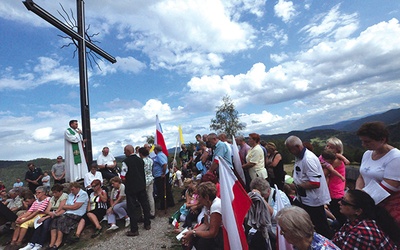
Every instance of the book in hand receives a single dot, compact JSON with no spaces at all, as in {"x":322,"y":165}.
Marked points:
{"x":376,"y":191}
{"x":180,"y":235}
{"x":36,"y":223}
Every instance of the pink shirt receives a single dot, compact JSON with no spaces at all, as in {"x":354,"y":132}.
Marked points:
{"x":336,"y":185}
{"x":39,"y":205}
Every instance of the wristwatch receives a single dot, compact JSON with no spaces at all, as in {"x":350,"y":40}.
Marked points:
{"x":194,"y":233}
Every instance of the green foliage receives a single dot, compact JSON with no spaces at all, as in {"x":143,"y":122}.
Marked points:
{"x":150,"y":139}
{"x":226,"y":119}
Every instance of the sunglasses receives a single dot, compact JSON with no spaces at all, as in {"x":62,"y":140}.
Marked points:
{"x":346,"y":203}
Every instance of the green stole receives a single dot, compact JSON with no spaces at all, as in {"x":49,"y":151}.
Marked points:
{"x":75,"y":149}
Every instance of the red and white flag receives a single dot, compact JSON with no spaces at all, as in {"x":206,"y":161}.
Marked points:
{"x":234,"y":206}
{"x":281,"y":243}
{"x":236,"y":160}
{"x":159,"y":139}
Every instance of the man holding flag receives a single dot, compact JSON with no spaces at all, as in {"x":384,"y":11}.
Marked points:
{"x":234,"y":199}
{"x":161,"y":173}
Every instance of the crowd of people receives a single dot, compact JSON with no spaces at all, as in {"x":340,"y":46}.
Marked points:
{"x":319,"y":211}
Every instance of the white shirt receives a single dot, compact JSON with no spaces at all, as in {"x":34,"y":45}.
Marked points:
{"x":309,"y":169}
{"x":89,"y":177}
{"x":385,"y":167}
{"x":103,"y":160}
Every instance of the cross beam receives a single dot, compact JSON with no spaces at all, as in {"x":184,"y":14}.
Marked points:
{"x":82,"y":45}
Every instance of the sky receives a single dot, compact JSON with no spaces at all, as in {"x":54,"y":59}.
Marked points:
{"x":286,"y":65}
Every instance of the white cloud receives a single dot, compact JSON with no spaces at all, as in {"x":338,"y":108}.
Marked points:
{"x":42,"y":134}
{"x":123,"y":64}
{"x":278,"y":57}
{"x":333,"y":25}
{"x":347,"y":67}
{"x":285,"y":10}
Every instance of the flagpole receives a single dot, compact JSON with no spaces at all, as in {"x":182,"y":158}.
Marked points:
{"x":176,"y":148}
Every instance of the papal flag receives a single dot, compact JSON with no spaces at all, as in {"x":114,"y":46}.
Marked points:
{"x":182,"y":141}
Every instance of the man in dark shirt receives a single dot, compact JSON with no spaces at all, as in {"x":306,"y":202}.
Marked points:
{"x":34,"y":177}
{"x":135,"y":189}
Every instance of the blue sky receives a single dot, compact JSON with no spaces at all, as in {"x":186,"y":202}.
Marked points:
{"x":287,"y":65}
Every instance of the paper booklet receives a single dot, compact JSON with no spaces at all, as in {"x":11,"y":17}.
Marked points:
{"x":36,"y":224}
{"x":376,"y":191}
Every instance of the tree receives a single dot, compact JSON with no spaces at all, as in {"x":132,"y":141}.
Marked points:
{"x":226,"y":119}
{"x":150,"y":139}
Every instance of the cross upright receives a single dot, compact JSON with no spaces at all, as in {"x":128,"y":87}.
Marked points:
{"x":82,"y":45}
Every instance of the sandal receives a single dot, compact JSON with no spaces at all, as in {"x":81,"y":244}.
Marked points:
{"x":96,"y":233}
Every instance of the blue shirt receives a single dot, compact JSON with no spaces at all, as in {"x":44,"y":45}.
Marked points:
{"x":160,"y":160}
{"x":83,"y":197}
{"x":222,"y":151}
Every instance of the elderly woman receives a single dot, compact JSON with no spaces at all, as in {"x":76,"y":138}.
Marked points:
{"x":296,"y":226}
{"x":40,"y":235}
{"x":367,"y":226}
{"x":379,"y":167}
{"x":118,"y":208}
{"x":64,"y":222}
{"x":255,"y":158}
{"x":27,"y":219}
{"x":96,"y":209}
{"x":209,"y":234}
{"x":262,"y":186}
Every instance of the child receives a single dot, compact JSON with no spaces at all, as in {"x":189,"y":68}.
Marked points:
{"x":336,"y":171}
{"x":327,"y":159}
{"x":290,"y":191}
{"x":46,"y":181}
{"x":191,"y":204}
{"x":334,"y":145}
{"x":177,"y":177}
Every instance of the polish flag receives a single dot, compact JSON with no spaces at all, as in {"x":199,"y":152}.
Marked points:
{"x":234,"y":206}
{"x":281,"y":243}
{"x":236,"y":160}
{"x":159,"y":139}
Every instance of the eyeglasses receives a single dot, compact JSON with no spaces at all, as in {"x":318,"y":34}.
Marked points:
{"x":346,"y":203}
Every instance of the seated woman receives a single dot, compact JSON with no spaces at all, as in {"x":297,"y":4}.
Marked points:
{"x":41,"y":233}
{"x":297,"y":228}
{"x":97,"y":208}
{"x":27,"y":219}
{"x":64,"y":222}
{"x":117,"y":207}
{"x":368,"y":227}
{"x":209,"y":234}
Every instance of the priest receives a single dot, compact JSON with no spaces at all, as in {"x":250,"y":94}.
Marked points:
{"x":75,"y":161}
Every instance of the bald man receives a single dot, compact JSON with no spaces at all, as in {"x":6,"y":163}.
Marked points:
{"x":135,"y":189}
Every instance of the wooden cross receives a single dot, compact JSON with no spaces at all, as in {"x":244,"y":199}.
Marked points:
{"x":82,"y":45}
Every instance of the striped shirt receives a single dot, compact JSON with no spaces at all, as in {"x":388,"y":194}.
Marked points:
{"x":39,"y":205}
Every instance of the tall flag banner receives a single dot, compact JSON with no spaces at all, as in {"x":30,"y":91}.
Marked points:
{"x":235,"y":203}
{"x":236,"y":160}
{"x":281,"y":243}
{"x":159,"y":139}
{"x":181,"y":135}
